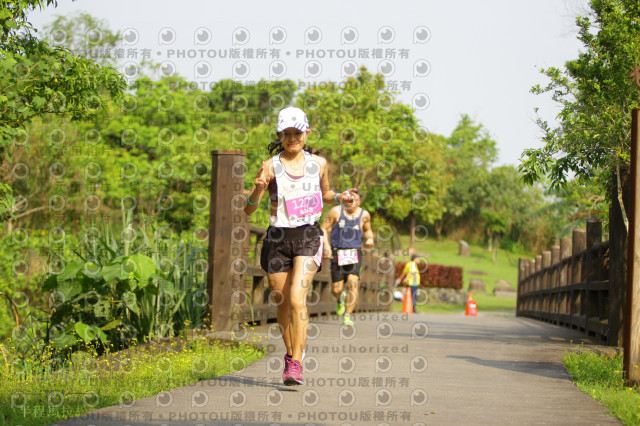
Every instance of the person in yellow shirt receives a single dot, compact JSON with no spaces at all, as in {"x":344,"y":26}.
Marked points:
{"x":411,"y":277}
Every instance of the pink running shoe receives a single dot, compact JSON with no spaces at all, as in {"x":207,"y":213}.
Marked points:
{"x":287,"y":362}
{"x":292,"y":373}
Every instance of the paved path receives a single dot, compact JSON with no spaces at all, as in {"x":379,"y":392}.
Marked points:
{"x":390,"y":369}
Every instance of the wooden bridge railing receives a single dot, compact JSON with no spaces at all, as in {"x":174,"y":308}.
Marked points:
{"x":569,"y":285}
{"x":581,"y":282}
{"x":237,"y":286}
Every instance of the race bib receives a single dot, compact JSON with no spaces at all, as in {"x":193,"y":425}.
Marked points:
{"x":303,"y":207}
{"x":347,"y":256}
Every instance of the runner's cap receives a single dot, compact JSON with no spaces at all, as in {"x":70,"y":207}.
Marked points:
{"x":292,"y":117}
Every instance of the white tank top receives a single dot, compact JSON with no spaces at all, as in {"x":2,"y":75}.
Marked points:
{"x":300,"y":199}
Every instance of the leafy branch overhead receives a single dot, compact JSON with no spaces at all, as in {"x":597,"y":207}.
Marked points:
{"x":37,"y":79}
{"x":596,"y":97}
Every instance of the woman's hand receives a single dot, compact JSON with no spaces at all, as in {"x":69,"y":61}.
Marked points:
{"x":259,"y":186}
{"x":347,"y":195}
{"x":369,"y":242}
{"x":261,"y":181}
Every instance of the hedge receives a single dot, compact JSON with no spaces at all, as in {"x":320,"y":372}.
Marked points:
{"x":436,"y":275}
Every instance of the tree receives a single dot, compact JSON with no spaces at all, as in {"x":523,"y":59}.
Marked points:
{"x":38,"y":79}
{"x":506,"y":202}
{"x":469,"y":153}
{"x":555,"y":213}
{"x":377,"y":145}
{"x":596,"y":97}
{"x":85,"y":36}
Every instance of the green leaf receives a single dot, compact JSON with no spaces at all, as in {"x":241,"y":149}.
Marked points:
{"x":102,"y":309}
{"x":101,"y":335}
{"x":144,"y":268}
{"x":61,"y":313}
{"x":131,"y":301}
{"x":164,"y":284}
{"x":38,"y":101}
{"x":64,"y":341}
{"x":113,"y":324}
{"x":86,"y":332}
{"x":50,"y":283}
{"x":70,"y":270}
{"x":110,"y":272}
{"x":69,"y":289}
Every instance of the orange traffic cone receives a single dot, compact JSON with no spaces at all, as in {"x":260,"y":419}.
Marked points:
{"x":472,"y":307}
{"x":407,"y":305}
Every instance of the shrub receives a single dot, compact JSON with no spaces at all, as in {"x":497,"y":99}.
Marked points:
{"x":110,"y":293}
{"x":435,"y":275}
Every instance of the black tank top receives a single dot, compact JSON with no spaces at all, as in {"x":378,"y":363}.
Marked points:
{"x":347,"y":233}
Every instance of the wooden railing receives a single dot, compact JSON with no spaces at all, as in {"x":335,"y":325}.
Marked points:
{"x":569,"y":285}
{"x":256,"y":305}
{"x":238,"y":287}
{"x":581,"y":282}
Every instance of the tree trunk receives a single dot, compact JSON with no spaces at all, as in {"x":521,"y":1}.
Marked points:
{"x":496,"y":244}
{"x":438,"y":226}
{"x":490,"y":234}
{"x":622,"y":209}
{"x":413,"y":233}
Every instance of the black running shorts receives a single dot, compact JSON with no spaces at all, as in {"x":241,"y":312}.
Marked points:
{"x":340,"y":272}
{"x":281,"y":245}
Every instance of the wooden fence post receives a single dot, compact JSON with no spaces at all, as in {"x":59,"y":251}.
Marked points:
{"x":565,"y":279}
{"x":618,"y":257}
{"x":594,"y":236}
{"x":579,"y":244}
{"x":631,"y":341}
{"x":227,"y":227}
{"x":555,"y":280}
{"x":546,"y":281}
{"x":538,"y":280}
{"x":520,"y":289}
{"x":529,"y":286}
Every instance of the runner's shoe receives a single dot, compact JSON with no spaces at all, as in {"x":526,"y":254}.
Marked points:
{"x":293,"y":375}
{"x":287,"y":364}
{"x":346,"y":320}
{"x":289,"y":357}
{"x":340,"y":305}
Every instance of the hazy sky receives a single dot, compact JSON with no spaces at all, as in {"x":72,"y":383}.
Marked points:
{"x":444,"y":57}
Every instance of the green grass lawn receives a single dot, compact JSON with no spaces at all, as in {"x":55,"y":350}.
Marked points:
{"x":486,"y":303}
{"x":445,"y":252}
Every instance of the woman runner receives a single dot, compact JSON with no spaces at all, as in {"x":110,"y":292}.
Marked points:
{"x":298,"y":187}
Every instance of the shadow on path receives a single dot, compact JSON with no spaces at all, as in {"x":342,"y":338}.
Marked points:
{"x":544,"y":369}
{"x":252,"y":381}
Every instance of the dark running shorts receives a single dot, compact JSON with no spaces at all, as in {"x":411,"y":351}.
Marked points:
{"x":281,"y":245}
{"x":340,"y":272}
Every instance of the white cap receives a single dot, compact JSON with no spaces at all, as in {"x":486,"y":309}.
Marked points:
{"x":292,"y":117}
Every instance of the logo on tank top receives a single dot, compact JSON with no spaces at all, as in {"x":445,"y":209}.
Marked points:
{"x":342,"y":223}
